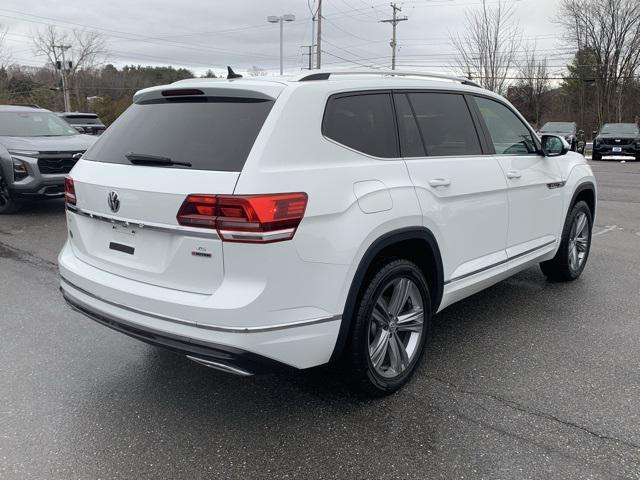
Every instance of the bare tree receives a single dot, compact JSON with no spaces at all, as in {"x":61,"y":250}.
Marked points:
{"x":256,"y":71}
{"x":87,"y":50}
{"x":611,"y":30}
{"x":487,"y":49}
{"x":5,"y":57}
{"x":533,"y":83}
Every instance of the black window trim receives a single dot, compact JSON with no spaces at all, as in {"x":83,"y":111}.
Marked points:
{"x":485,"y":129}
{"x":486,"y":142}
{"x":357,"y":93}
{"x":485,"y":146}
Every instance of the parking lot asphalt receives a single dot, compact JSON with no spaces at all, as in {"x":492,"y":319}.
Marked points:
{"x":528,"y":379}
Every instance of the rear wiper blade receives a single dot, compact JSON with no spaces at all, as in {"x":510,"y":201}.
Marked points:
{"x":144,"y":159}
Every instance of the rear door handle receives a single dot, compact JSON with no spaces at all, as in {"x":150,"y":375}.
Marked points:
{"x":513,"y":174}
{"x":440,"y":182}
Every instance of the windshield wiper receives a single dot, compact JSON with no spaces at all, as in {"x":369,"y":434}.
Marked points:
{"x":143,"y":159}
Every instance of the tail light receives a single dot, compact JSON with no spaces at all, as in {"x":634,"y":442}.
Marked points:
{"x":246,"y":218}
{"x":69,"y":191}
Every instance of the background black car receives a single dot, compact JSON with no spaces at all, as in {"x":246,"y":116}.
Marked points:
{"x":617,"y":139}
{"x":88,"y":123}
{"x":568,"y":130}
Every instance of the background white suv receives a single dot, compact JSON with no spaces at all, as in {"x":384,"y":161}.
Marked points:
{"x":250,"y":224}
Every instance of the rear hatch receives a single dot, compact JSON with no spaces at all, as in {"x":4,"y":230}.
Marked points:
{"x":131,"y":184}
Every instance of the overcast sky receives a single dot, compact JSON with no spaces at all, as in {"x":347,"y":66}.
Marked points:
{"x":202,"y":34}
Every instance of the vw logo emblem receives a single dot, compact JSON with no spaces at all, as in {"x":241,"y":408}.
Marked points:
{"x":114,"y":201}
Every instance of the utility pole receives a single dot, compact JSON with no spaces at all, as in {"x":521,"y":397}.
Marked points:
{"x":319,"y":38}
{"x":394,"y":22}
{"x":63,"y":69}
{"x":310,"y":54}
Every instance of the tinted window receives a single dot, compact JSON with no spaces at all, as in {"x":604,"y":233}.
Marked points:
{"x":509,"y":135}
{"x":34,"y":124}
{"x":362,"y":122}
{"x":410,"y":140}
{"x":213,"y":133}
{"x":445,"y":124}
{"x":620,"y":128}
{"x":83,"y":120}
{"x":558,"y":127}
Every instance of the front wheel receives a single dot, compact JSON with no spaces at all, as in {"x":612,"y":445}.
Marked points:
{"x":596,"y":156}
{"x":575,"y":245}
{"x":392,"y":322}
{"x":7,"y":202}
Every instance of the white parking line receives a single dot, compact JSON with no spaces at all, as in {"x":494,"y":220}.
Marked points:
{"x":608,"y":228}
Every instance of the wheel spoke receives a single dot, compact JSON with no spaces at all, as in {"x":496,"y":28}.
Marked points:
{"x":381,"y":311}
{"x":581,"y":223}
{"x":412,"y":321}
{"x":581,"y":244}
{"x":378,"y":348}
{"x":573,"y":257}
{"x":399,"y":296}
{"x":398,"y":358}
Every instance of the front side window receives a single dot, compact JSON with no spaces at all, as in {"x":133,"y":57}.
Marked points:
{"x":445,"y":124}
{"x":509,"y":135}
{"x":363,"y":122}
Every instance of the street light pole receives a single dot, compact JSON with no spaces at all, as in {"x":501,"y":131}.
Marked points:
{"x":288,"y":17}
{"x":281,"y":45}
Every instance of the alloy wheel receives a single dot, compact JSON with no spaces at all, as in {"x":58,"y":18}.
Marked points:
{"x":578,"y":241}
{"x":396,"y":327}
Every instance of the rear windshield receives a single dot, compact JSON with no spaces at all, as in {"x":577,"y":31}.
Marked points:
{"x":77,"y":120}
{"x":558,"y":127}
{"x":212,"y":133}
{"x":620,"y":128}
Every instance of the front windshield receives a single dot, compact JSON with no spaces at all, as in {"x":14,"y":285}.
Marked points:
{"x":620,"y":128}
{"x":34,"y":124}
{"x":557,"y":127}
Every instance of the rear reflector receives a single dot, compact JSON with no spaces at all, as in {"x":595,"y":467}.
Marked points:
{"x":69,"y":191}
{"x":246,"y":218}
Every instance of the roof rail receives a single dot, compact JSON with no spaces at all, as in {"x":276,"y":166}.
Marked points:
{"x":324,"y":75}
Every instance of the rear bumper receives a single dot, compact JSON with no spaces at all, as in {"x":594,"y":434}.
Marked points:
{"x":136,"y":309}
{"x":220,"y":357}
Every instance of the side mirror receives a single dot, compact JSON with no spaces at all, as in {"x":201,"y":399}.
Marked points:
{"x":554,"y":146}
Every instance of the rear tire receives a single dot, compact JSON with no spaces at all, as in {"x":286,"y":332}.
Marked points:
{"x":391,"y":324}
{"x":575,"y":245}
{"x":7,"y":202}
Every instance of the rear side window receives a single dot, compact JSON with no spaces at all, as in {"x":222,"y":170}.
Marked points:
{"x":363,"y":122}
{"x":212,"y":133}
{"x":509,"y":135}
{"x":445,"y":124}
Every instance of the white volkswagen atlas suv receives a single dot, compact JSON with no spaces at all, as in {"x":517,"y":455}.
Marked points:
{"x":253,"y":224}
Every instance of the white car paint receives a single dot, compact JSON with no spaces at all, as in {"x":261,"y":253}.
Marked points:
{"x":284,"y":300}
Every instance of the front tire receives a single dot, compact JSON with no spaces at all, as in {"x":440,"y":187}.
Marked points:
{"x":7,"y":202}
{"x":391,"y":324}
{"x":596,"y":156}
{"x":575,"y":245}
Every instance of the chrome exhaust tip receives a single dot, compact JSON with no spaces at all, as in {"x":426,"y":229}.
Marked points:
{"x":220,"y":366}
